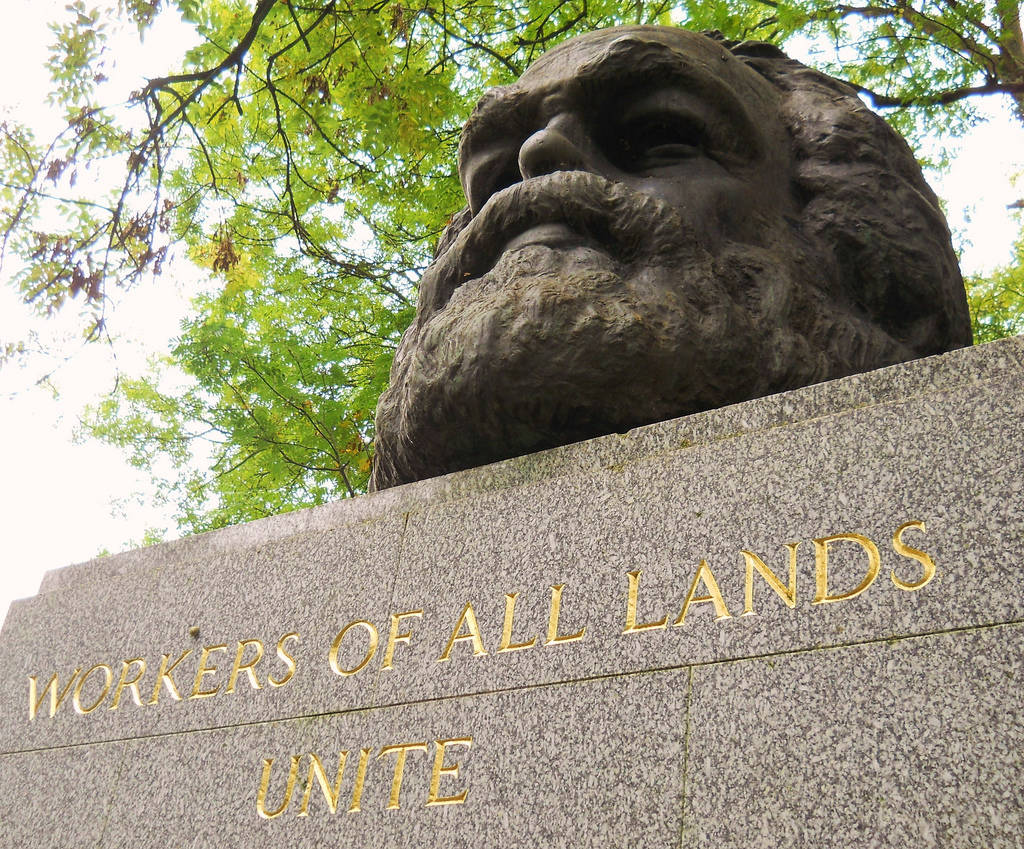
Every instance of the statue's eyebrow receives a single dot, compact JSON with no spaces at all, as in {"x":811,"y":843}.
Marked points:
{"x":634,"y":63}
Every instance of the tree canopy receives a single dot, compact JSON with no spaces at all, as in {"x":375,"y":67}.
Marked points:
{"x":304,"y":154}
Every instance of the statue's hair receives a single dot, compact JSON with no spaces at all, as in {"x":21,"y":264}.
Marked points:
{"x":867,"y":205}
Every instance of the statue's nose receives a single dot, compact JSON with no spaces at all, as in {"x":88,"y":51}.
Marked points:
{"x":548,"y":150}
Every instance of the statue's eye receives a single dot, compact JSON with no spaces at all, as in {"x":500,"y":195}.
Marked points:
{"x":488,"y":174}
{"x":508,"y":175}
{"x":659,"y":141}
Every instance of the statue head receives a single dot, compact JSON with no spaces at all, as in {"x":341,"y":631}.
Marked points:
{"x":660,"y":222}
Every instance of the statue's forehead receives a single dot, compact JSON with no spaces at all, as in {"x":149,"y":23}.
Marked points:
{"x":614,"y":46}
{"x":648,"y":56}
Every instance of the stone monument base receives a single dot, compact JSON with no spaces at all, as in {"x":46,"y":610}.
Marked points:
{"x":792,"y":622}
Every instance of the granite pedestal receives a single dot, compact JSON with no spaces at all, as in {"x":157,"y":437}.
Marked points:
{"x":797,"y":621}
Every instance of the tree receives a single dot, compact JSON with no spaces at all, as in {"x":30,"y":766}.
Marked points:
{"x":997,"y":302}
{"x":917,"y":58}
{"x":304,"y":154}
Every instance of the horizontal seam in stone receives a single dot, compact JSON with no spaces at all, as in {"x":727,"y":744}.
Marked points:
{"x":846,"y":409}
{"x":656,"y":670}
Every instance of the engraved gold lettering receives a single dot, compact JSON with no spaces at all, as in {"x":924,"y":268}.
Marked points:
{"x":164,"y":678}
{"x":786,"y":593}
{"x":435,"y":797}
{"x":261,"y":797}
{"x":714,"y":595}
{"x":35,"y":701}
{"x":357,"y":790}
{"x":394,"y":637}
{"x":631,"y":604}
{"x":289,"y":661}
{"x":370,"y":649}
{"x":821,"y":595}
{"x":331,"y":792}
{"x":249,"y":667}
{"x":556,"y":608}
{"x":904,"y":550}
{"x":402,"y":749}
{"x":443,"y":769}
{"x":132,"y":685}
{"x":506,"y":628}
{"x":204,"y":670}
{"x":467,"y":619}
{"x":76,"y":699}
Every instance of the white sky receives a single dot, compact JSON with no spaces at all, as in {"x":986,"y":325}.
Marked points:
{"x":56,"y":497}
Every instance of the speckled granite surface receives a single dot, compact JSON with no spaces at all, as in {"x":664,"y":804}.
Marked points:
{"x":537,"y":607}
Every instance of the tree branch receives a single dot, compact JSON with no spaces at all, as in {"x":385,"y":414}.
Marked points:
{"x":940,"y":98}
{"x":233,"y":59}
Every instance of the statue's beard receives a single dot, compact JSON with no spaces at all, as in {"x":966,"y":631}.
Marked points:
{"x":553,"y":345}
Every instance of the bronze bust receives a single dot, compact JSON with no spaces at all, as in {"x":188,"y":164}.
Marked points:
{"x":661,"y":222}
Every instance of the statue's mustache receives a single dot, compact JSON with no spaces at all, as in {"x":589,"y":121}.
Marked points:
{"x":622,"y":222}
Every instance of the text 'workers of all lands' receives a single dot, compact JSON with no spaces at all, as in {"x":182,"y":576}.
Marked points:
{"x":220,"y":669}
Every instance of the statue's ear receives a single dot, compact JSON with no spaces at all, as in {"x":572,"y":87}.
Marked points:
{"x":456,"y":224}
